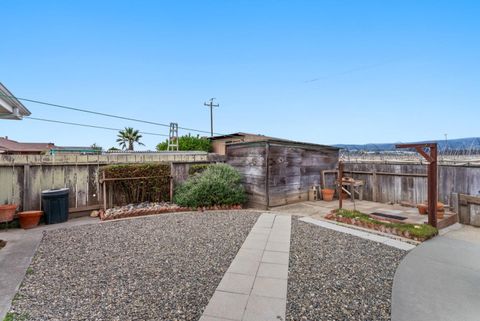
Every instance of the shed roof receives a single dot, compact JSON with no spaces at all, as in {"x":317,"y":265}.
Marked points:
{"x":239,"y":134}
{"x":285,"y":142}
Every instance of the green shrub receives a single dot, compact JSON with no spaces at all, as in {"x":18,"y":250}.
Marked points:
{"x":218,"y":184}
{"x":154,"y":188}
{"x":189,"y":142}
{"x":197,"y":168}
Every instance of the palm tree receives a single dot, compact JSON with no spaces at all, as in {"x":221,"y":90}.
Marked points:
{"x":128,"y":136}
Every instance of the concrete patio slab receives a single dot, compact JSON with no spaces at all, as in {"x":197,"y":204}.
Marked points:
{"x":207,"y":318}
{"x":269,"y":287}
{"x":318,"y":209}
{"x":259,"y":229}
{"x":226,"y":305}
{"x":275,"y":257}
{"x":439,"y":280}
{"x":278,"y":246}
{"x":250,"y":254}
{"x":246,"y":266}
{"x":254,"y":244}
{"x":262,"y":308}
{"x":271,"y":270}
{"x":236,"y":283}
{"x":257,"y":237}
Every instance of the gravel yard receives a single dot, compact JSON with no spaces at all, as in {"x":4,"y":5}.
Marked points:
{"x":162,"y":267}
{"x":336,"y":276}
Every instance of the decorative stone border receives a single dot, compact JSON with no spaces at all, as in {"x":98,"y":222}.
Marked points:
{"x":164,"y":210}
{"x":372,"y":226}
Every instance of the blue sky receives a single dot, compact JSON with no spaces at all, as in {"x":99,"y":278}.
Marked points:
{"x":318,"y":71}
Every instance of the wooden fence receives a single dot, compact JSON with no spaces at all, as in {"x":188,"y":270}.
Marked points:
{"x":468,"y":209}
{"x":392,"y":182}
{"x":23,"y":177}
{"x":458,"y":186}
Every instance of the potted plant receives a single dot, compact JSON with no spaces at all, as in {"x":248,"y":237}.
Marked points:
{"x":7,"y":211}
{"x":29,"y":219}
{"x":327,"y":194}
{"x":422,"y":208}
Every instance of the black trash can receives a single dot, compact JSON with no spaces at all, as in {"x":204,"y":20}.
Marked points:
{"x":55,"y":205}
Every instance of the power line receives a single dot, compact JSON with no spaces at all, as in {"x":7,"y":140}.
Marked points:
{"x":86,"y":125}
{"x":103,"y":114}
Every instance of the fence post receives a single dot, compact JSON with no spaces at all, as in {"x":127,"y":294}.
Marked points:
{"x":374,"y":186}
{"x":104,"y":185}
{"x":340,"y":179}
{"x":26,"y":188}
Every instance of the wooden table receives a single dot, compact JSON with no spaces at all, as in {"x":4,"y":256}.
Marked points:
{"x":352,"y":186}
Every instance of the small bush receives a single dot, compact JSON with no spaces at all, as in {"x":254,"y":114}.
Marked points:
{"x":218,"y":184}
{"x":189,"y":142}
{"x":197,"y":168}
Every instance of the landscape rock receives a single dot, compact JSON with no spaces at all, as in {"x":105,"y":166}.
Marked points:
{"x":163,"y":267}
{"x":336,"y":276}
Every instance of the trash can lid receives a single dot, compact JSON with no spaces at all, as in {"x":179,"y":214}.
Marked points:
{"x":55,"y":191}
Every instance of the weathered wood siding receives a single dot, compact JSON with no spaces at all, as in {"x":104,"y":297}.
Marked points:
{"x":293,"y":170}
{"x":395,"y":188}
{"x":249,"y":160}
{"x":279,"y":173}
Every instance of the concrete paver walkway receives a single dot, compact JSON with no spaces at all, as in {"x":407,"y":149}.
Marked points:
{"x":440,"y":279}
{"x":254,"y":288}
{"x":16,"y":256}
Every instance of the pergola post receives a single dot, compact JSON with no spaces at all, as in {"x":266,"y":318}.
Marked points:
{"x":339,"y":187}
{"x":432,"y":183}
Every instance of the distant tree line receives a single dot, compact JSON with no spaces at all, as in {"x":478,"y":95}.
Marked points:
{"x":189,"y":142}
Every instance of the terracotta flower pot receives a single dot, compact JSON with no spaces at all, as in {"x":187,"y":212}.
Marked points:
{"x":422,"y":208}
{"x":327,"y":194}
{"x":29,"y":219}
{"x":440,"y":214}
{"x":6,"y":212}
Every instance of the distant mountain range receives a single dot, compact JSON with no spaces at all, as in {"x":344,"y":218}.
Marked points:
{"x":460,"y":144}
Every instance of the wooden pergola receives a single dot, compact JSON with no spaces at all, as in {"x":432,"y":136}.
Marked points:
{"x":429,"y":152}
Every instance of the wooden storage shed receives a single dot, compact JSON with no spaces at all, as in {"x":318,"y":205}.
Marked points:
{"x":279,"y":172}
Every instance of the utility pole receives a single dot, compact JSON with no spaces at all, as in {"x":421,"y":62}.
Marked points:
{"x":211,"y":104}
